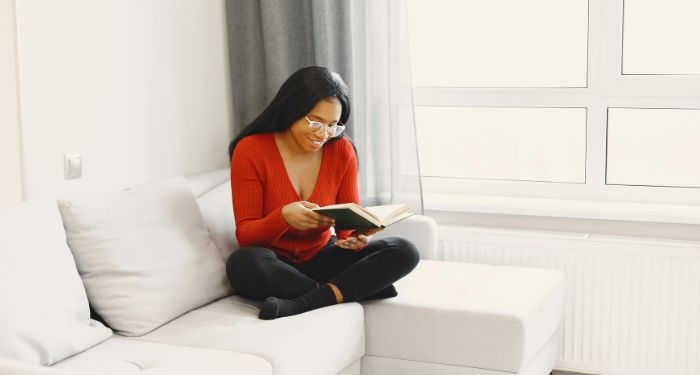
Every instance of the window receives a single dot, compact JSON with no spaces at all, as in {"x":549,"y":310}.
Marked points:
{"x":498,"y":43}
{"x":653,"y":147}
{"x":527,"y":144}
{"x":570,"y":101}
{"x":661,"y":37}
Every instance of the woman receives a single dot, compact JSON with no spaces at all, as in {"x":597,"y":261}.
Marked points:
{"x":289,"y":160}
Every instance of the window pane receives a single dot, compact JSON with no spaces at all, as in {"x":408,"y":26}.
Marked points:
{"x":657,"y":147}
{"x":661,"y":37}
{"x":535,"y":144}
{"x":498,"y":43}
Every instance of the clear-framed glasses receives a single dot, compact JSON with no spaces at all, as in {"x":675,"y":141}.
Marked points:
{"x":317,"y":128}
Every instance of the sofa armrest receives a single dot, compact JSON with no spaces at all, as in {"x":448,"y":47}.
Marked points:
{"x":421,"y":230}
{"x":16,"y":368}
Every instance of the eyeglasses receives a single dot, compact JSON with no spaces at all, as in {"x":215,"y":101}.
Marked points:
{"x":317,"y":128}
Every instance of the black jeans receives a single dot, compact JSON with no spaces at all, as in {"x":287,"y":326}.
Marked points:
{"x":257,"y":272}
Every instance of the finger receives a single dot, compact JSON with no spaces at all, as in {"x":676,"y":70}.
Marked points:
{"x":326,"y":218}
{"x":318,"y":216}
{"x":309,"y":205}
{"x":321,"y":219}
{"x":342,"y":244}
{"x":347,"y":246}
{"x":361,"y":240}
{"x":312,"y":224}
{"x":318,"y":223}
{"x":357,"y":244}
{"x":349,"y":241}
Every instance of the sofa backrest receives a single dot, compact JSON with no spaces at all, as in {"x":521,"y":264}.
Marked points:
{"x":202,"y":183}
{"x":213,"y":193}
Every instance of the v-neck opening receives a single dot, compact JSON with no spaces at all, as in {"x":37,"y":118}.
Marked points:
{"x":286,"y":173}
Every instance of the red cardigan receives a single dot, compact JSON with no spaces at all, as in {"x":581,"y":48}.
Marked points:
{"x":261,"y":186}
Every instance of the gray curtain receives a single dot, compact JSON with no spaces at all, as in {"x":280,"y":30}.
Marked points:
{"x":366,"y":42}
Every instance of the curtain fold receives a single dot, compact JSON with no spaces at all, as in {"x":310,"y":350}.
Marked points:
{"x":366,"y":42}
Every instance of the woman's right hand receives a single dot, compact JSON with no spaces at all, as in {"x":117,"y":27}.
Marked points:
{"x":299,"y":216}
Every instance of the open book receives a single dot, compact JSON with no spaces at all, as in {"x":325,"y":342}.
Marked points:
{"x":352,"y":216}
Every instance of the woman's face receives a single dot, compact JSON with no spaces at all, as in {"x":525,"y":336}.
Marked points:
{"x":327,"y":111}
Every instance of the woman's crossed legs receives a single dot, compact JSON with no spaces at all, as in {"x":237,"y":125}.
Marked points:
{"x":258,"y":273}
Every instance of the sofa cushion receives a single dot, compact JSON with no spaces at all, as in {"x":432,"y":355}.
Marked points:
{"x":217,"y":211}
{"x":44,"y":316}
{"x":472,"y":315}
{"x":319,"y":342}
{"x":144,"y":254}
{"x":126,"y":357}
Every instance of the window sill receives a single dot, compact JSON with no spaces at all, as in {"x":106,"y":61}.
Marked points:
{"x":578,"y":209}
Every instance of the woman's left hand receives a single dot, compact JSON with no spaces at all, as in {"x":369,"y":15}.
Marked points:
{"x":357,"y":240}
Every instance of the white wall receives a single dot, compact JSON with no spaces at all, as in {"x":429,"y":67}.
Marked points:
{"x":139,"y":88}
{"x":10,"y":162}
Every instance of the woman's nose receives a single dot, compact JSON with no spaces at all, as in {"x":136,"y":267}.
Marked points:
{"x":324,"y":134}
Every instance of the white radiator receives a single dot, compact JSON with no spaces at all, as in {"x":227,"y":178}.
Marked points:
{"x":632,"y":306}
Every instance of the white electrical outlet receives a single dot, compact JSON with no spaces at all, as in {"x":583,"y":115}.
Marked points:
{"x":72,"y":166}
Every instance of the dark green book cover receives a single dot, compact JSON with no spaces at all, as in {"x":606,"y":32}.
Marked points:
{"x":345,"y":218}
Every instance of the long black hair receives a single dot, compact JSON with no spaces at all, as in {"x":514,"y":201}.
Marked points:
{"x":297,"y":96}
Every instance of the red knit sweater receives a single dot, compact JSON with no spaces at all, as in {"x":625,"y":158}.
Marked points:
{"x":261,"y":187}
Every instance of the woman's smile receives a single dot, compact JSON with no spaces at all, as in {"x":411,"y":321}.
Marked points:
{"x":316,"y":144}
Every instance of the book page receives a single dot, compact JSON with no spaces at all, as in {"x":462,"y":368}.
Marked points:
{"x":387,"y":212}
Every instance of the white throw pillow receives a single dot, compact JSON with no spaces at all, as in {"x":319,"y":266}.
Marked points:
{"x":44,"y":314}
{"x":144,"y":255}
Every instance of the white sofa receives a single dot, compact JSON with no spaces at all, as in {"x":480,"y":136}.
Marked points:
{"x":449,"y":318}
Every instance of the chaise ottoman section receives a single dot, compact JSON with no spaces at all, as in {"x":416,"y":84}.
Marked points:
{"x":465,"y":315}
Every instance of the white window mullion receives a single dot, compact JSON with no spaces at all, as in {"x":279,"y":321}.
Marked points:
{"x":596,"y":129}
